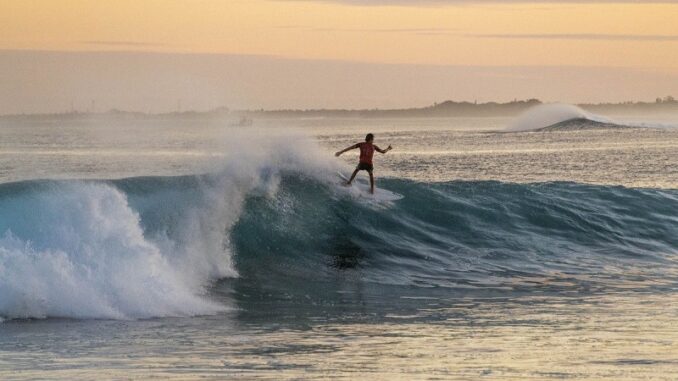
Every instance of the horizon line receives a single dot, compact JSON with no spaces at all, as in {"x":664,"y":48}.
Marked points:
{"x":661,"y":100}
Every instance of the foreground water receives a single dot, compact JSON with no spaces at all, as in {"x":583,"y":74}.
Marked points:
{"x":532,"y":255}
{"x":612,"y":337}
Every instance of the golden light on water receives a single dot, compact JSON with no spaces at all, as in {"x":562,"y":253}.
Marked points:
{"x":613,"y":337}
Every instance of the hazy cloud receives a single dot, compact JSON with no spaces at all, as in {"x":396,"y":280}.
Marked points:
{"x":471,"y":2}
{"x":581,"y":36}
{"x":373,"y":30}
{"x":144,"y":44}
{"x":456,"y":31}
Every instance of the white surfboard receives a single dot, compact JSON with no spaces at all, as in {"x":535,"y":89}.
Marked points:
{"x":361,"y":189}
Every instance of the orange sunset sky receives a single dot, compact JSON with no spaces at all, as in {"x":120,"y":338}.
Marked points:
{"x":278,"y":53}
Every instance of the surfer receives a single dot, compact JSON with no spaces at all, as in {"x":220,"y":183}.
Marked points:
{"x":366,"y":152}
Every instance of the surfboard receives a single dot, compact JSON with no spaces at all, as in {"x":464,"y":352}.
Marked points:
{"x":361,"y":189}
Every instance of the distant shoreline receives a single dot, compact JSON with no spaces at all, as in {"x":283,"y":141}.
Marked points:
{"x":447,"y":109}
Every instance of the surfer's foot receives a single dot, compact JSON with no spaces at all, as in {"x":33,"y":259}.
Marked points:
{"x":347,"y":184}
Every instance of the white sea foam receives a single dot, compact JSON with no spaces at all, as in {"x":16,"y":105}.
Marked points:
{"x":82,"y":253}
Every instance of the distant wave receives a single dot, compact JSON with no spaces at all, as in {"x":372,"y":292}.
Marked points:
{"x":583,"y":124}
{"x":548,"y":115}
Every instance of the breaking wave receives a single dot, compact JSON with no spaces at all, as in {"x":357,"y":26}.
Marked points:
{"x":547,"y":115}
{"x":155,"y":246}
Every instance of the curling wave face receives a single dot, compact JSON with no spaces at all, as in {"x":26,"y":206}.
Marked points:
{"x":466,"y":236}
{"x":154,"y":246}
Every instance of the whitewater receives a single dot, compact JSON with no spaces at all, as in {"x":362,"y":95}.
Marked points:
{"x":168,"y":237}
{"x":113,"y":249}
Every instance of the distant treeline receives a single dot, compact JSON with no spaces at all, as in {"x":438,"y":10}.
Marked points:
{"x":470,"y":109}
{"x":665,"y":104}
{"x":444,"y":109}
{"x":437,"y":110}
{"x":121,"y":114}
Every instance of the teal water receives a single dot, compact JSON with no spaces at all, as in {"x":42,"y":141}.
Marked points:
{"x":188,"y":249}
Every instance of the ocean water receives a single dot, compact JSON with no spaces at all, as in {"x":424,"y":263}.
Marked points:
{"x":190,"y":249}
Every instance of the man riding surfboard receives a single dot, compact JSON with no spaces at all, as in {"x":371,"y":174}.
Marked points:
{"x":367,"y":149}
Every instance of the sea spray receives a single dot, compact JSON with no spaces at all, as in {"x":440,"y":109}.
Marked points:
{"x":134,"y":248}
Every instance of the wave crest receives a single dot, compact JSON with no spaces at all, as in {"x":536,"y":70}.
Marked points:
{"x":78,"y":250}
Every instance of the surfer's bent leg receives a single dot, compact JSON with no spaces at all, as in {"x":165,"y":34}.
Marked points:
{"x":371,"y":181}
{"x":353,"y":176}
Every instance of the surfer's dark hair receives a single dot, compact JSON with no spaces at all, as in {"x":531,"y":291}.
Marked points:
{"x":369,"y":137}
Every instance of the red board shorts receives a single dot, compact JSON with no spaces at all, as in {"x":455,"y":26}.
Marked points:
{"x":365,"y":167}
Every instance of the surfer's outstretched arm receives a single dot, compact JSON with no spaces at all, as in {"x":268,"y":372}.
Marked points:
{"x":383,"y":150}
{"x":357,"y":145}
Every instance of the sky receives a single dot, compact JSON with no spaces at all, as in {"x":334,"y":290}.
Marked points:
{"x":160,"y":55}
